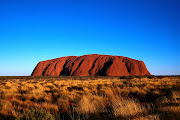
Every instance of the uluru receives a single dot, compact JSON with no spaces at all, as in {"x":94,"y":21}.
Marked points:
{"x":91,"y":65}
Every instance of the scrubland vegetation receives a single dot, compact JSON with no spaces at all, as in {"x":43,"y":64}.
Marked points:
{"x":90,"y":98}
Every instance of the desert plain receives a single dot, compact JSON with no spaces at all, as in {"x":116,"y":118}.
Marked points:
{"x":90,"y":98}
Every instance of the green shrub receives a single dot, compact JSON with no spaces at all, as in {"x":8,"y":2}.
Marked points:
{"x":127,"y":77}
{"x":151,"y":76}
{"x":36,"y":114}
{"x":139,"y":76}
{"x":124,"y":77}
{"x":97,"y":75}
{"x":2,"y":95}
{"x":131,"y":77}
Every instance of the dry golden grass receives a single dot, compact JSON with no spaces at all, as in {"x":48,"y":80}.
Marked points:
{"x":126,"y":107}
{"x":92,"y":98}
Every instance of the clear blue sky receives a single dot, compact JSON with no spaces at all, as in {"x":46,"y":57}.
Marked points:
{"x":37,"y":30}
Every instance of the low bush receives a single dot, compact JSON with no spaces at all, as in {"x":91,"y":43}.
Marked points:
{"x":36,"y":114}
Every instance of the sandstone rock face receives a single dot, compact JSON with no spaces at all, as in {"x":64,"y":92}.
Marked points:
{"x":90,"y":65}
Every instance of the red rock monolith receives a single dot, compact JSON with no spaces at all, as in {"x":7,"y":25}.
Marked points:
{"x":90,"y":65}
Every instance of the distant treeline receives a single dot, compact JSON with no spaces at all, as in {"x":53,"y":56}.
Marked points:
{"x":84,"y":77}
